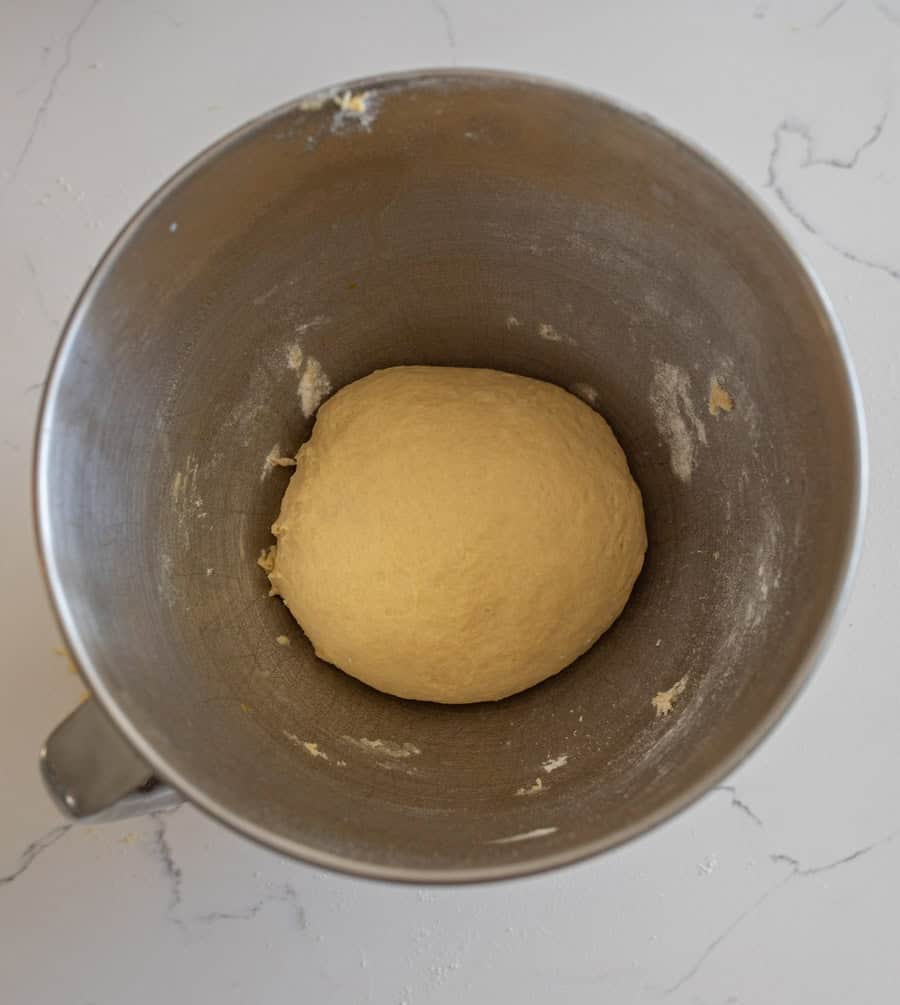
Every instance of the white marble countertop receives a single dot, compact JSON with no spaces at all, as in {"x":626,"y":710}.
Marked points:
{"x":779,"y":887}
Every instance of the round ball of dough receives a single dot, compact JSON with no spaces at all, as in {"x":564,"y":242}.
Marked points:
{"x":457,"y":535}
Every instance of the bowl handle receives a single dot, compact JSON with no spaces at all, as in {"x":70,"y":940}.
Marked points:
{"x":92,"y":771}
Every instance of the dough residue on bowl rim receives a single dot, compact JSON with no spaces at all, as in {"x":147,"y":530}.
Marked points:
{"x":276,"y":458}
{"x":531,"y":790}
{"x":311,"y":747}
{"x":664,"y":701}
{"x":719,"y":399}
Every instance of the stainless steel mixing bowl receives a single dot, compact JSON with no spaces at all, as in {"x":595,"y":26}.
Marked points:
{"x":447,"y":218}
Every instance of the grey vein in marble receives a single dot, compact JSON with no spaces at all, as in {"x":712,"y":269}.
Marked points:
{"x":38,"y":292}
{"x":449,"y":31}
{"x":796,"y":871}
{"x":773,"y":181}
{"x":44,"y":106}
{"x":892,"y":15}
{"x":284,"y":894}
{"x":162,"y":852}
{"x":739,"y":804}
{"x":35,"y":849}
{"x":829,"y":14}
{"x":844,"y":163}
{"x":719,"y":939}
{"x":799,"y":870}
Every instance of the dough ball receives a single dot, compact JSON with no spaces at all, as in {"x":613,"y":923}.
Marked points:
{"x":457,"y":535}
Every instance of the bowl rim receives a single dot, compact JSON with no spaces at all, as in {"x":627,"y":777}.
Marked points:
{"x":527,"y":864}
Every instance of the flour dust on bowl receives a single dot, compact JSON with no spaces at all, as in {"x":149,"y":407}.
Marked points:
{"x":473,"y":220}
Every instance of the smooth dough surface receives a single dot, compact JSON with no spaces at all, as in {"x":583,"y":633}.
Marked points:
{"x":457,"y":535}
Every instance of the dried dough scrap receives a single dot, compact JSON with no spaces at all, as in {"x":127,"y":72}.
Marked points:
{"x":457,"y":535}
